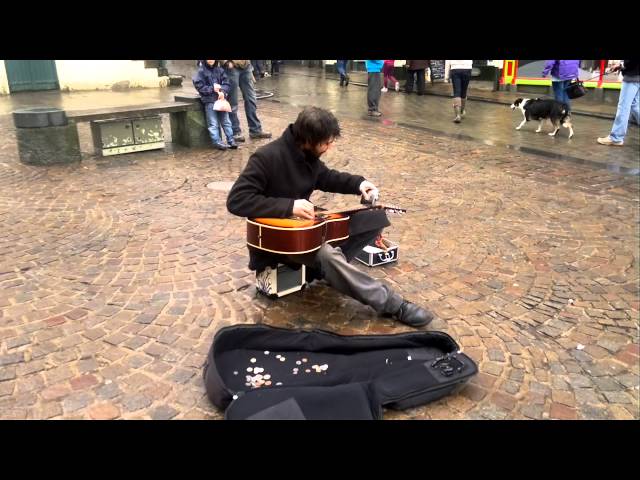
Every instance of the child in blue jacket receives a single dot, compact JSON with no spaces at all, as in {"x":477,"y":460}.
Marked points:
{"x":212,"y":84}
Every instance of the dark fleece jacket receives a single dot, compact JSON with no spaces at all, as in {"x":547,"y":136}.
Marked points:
{"x":276,"y":175}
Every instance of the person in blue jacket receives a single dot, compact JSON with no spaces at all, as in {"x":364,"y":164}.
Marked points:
{"x":212,"y":84}
{"x":374,"y":82}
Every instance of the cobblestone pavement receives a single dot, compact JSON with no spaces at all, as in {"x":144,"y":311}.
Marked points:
{"x":115,"y":274}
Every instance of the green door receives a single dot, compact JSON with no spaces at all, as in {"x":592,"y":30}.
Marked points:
{"x":31,"y":75}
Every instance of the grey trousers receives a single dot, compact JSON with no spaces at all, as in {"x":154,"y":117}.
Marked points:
{"x":374,"y":91}
{"x":333,"y":265}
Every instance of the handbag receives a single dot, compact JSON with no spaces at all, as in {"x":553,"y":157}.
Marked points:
{"x":221,"y":105}
{"x":576,"y":89}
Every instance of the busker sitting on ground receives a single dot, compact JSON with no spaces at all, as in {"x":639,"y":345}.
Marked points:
{"x":278,"y":181}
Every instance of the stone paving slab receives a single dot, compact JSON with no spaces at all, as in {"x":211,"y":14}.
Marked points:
{"x":116,"y":273}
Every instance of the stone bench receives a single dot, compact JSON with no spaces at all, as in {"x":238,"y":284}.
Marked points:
{"x":49,"y":136}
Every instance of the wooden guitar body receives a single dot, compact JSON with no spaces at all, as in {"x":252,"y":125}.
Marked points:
{"x":293,"y":236}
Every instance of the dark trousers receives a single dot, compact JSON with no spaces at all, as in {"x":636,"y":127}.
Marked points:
{"x":258,"y":67}
{"x":374,"y":91}
{"x":332,"y":264}
{"x":560,"y":91}
{"x":460,"y":80}
{"x":420,"y":80}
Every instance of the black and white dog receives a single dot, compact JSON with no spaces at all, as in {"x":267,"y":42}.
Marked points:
{"x":542,"y":109}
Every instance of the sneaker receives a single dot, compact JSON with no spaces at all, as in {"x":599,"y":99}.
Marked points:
{"x":260,"y":135}
{"x":397,"y":86}
{"x":233,"y":146}
{"x":384,"y":89}
{"x":608,"y":141}
{"x":374,"y":113}
{"x":220,"y":146}
{"x":238,"y":137}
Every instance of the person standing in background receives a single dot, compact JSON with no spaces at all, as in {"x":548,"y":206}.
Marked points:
{"x":416,"y":68}
{"x":562,"y":72}
{"x":341,"y":65}
{"x":387,"y":71}
{"x":374,"y":82}
{"x":212,"y":84}
{"x":628,"y":102}
{"x":240,"y":73}
{"x":459,"y":72}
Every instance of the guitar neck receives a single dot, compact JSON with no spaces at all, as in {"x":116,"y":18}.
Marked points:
{"x":358,"y":208}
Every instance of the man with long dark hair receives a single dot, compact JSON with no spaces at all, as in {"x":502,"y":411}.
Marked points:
{"x":278,"y":181}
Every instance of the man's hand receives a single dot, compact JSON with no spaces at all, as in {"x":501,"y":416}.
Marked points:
{"x":369,"y":191}
{"x":304,"y":209}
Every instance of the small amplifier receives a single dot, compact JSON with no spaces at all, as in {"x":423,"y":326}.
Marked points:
{"x":280,"y":281}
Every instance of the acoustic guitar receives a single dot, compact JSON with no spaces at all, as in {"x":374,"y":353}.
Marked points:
{"x":293,"y":236}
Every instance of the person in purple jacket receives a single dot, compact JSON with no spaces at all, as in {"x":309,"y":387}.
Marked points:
{"x":562,"y":72}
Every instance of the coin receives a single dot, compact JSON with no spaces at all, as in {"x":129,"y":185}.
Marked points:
{"x":278,"y":384}
{"x":248,"y":384}
{"x":304,"y":360}
{"x":235,"y":373}
{"x":282,"y":359}
{"x":253,"y":360}
{"x":298,"y":362}
{"x":266,"y":352}
{"x":235,"y":397}
{"x":268,"y":383}
{"x":278,"y":356}
{"x":308,"y":371}
{"x":267,"y":377}
{"x":409,"y":357}
{"x":324,"y":367}
{"x":249,"y":369}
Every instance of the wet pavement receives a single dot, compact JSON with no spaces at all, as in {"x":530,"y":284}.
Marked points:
{"x":489,"y":123}
{"x":116,"y":273}
{"x":480,"y":91}
{"x":486,"y":122}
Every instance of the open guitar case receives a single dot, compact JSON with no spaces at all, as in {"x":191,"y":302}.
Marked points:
{"x":259,"y":372}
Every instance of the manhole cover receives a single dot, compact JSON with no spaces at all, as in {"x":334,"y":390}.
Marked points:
{"x":220,"y":186}
{"x":260,"y":94}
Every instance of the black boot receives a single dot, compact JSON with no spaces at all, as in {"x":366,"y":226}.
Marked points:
{"x":342,"y":80}
{"x":413,"y":315}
